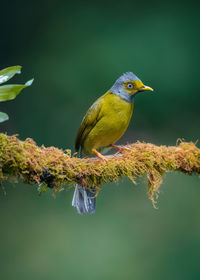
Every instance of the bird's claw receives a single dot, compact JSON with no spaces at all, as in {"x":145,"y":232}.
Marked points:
{"x":120,"y":148}
{"x":100,"y":155}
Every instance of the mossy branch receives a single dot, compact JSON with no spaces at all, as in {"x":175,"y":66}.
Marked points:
{"x":56,"y":168}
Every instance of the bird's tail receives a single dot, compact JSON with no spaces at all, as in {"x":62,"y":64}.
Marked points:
{"x":84,"y":200}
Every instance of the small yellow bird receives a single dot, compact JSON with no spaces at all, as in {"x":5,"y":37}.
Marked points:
{"x":104,"y":123}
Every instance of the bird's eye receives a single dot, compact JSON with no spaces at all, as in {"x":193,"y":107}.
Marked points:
{"x":129,"y":85}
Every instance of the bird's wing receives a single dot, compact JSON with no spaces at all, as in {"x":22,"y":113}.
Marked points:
{"x":89,"y":121}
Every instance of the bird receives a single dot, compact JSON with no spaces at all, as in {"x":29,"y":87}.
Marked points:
{"x":104,"y":123}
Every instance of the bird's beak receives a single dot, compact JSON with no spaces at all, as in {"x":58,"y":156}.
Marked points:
{"x":145,"y":88}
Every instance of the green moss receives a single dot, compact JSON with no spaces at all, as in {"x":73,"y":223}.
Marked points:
{"x":24,"y":159}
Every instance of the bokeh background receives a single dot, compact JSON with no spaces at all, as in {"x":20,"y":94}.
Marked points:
{"x":75,"y":51}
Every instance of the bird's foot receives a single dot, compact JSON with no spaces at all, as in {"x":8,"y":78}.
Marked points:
{"x":99,"y":155}
{"x":120,"y":148}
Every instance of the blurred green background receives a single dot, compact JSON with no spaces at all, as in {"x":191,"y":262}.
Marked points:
{"x":75,"y":51}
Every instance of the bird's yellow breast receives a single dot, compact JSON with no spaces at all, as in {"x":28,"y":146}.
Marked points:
{"x":113,"y":120}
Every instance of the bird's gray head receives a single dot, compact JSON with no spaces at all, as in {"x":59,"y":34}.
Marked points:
{"x":127,"y":86}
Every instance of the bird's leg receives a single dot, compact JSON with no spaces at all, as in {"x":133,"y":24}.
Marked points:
{"x":119,"y":148}
{"x":99,"y":155}
{"x":116,"y":147}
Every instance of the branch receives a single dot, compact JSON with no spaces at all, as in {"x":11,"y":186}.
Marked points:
{"x":55,"y":168}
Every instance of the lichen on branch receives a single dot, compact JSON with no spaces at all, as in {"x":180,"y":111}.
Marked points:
{"x":55,"y":167}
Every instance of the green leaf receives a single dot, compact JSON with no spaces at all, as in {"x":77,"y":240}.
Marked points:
{"x":7,"y":73}
{"x":3,"y":117}
{"x":9,"y":92}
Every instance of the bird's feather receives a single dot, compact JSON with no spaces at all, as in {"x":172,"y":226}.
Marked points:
{"x":84,"y":200}
{"x":89,"y":121}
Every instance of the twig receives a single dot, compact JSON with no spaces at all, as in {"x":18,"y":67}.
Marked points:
{"x":55,"y":167}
